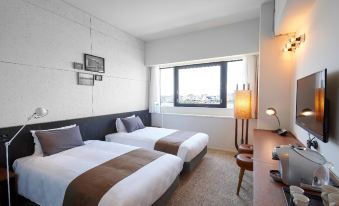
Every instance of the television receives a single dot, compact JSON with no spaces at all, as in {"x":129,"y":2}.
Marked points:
{"x":312,"y":105}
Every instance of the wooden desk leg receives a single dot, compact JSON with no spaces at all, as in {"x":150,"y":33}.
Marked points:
{"x":241,"y":175}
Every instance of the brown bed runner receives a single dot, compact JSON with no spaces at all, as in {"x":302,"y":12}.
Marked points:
{"x":88,"y":188}
{"x":171,"y":143}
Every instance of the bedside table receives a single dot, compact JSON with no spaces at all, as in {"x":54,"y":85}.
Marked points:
{"x":3,"y":187}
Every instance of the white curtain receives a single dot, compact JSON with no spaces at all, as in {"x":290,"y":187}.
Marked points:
{"x":251,"y":71}
{"x":154,"y":92}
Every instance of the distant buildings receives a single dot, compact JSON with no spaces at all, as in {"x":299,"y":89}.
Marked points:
{"x":196,"y":99}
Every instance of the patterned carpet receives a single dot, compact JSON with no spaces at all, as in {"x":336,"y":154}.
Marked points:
{"x":213,"y":183}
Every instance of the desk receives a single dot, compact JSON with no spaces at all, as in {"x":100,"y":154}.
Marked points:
{"x":265,"y":190}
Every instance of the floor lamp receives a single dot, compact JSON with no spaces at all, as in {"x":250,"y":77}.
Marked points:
{"x":39,"y":112}
{"x":243,"y":112}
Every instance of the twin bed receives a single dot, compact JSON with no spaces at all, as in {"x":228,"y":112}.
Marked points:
{"x":190,"y":151}
{"x":44,"y":180}
{"x":124,"y":170}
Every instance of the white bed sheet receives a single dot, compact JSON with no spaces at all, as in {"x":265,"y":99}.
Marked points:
{"x":44,"y":180}
{"x":147,"y":137}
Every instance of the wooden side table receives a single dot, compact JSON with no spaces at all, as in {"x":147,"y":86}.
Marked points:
{"x":3,"y":187}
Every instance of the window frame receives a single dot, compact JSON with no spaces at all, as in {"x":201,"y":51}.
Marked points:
{"x":223,"y":83}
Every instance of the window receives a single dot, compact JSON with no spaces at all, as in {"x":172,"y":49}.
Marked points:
{"x":201,"y":85}
{"x":167,"y":87}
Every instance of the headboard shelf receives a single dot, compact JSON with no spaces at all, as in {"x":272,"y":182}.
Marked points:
{"x":91,"y":128}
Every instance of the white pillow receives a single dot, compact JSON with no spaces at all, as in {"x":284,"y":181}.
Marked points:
{"x":37,"y":145}
{"x":120,"y":126}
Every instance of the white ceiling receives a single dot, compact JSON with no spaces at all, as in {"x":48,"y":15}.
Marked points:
{"x":154,"y":19}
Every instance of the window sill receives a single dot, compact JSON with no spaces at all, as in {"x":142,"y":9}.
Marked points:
{"x":200,"y":115}
{"x":198,"y":111}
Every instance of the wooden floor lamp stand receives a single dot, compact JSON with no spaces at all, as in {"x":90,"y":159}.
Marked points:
{"x":244,"y":122}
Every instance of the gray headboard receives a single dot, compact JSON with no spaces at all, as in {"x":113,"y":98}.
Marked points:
{"x":91,"y":128}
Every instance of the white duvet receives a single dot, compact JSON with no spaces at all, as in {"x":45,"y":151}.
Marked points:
{"x":147,"y":137}
{"x":44,"y":180}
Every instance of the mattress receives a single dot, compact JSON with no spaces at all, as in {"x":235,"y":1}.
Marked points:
{"x":44,"y":180}
{"x":147,"y":137}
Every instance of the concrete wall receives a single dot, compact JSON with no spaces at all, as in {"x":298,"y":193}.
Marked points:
{"x":275,"y":72}
{"x":234,"y":39}
{"x":39,"y":41}
{"x":320,"y":51}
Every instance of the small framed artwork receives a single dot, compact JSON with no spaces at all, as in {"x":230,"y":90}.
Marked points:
{"x":98,"y":77}
{"x":94,"y":63}
{"x":85,"y":79}
{"x":77,"y":65}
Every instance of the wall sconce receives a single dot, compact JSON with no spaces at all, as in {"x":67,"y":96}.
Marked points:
{"x":293,"y":43}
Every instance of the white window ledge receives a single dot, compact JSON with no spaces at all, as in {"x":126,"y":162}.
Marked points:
{"x":198,"y":111}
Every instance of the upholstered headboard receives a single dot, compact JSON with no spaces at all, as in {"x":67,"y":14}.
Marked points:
{"x":91,"y":128}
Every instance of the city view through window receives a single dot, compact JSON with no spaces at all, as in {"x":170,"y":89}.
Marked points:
{"x":201,"y":85}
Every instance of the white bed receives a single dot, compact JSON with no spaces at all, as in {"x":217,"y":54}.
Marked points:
{"x":44,"y":180}
{"x":147,"y":137}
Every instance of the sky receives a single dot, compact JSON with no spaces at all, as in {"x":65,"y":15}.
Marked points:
{"x":203,"y":80}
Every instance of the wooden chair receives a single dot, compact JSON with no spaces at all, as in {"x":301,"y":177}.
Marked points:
{"x":245,"y":148}
{"x":245,"y":162}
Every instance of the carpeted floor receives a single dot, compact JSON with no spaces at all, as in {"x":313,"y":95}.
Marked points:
{"x":213,"y":183}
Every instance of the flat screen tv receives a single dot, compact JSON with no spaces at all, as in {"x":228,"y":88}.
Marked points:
{"x":312,"y":105}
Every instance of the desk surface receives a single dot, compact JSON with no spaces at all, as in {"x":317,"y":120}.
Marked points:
{"x":265,"y":190}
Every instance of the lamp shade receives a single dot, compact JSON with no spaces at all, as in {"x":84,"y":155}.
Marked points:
{"x":40,"y":112}
{"x":242,"y":104}
{"x":271,"y":111}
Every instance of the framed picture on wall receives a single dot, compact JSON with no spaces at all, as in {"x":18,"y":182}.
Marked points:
{"x":85,"y":79}
{"x":94,"y":63}
{"x":98,"y":77}
{"x":77,"y":65}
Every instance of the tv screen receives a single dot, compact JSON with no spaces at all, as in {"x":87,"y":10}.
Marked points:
{"x":312,"y":105}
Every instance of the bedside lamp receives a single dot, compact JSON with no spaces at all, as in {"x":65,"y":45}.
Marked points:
{"x":38,"y":113}
{"x":273,"y":112}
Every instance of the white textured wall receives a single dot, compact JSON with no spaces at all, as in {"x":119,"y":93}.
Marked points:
{"x":220,"y":129}
{"x":275,"y":72}
{"x":233,"y":39}
{"x":321,"y":51}
{"x":39,"y":41}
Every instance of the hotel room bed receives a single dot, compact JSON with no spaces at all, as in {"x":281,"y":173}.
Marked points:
{"x":44,"y":180}
{"x":190,"y":151}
